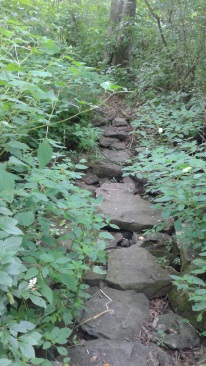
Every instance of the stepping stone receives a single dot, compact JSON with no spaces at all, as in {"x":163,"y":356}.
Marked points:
{"x":118,"y":121}
{"x":114,"y":132}
{"x":112,"y":142}
{"x":107,"y":170}
{"x":107,"y":141}
{"x":90,"y":178}
{"x":118,"y":353}
{"x":134,"y":268}
{"x":117,"y":156}
{"x":121,"y":145}
{"x":129,"y":310}
{"x":129,"y":212}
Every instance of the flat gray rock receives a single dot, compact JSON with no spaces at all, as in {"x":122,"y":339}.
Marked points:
{"x":119,"y":121}
{"x":107,"y":141}
{"x":107,"y":170}
{"x":112,"y":143}
{"x":129,"y":212}
{"x":118,"y":353}
{"x":134,"y":268}
{"x":115,"y":133}
{"x":128,"y":309}
{"x":90,"y":178}
{"x":176,"y":333}
{"x":119,"y":145}
{"x":117,"y":156}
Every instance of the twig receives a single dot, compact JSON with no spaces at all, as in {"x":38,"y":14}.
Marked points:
{"x":100,"y":314}
{"x":93,"y":317}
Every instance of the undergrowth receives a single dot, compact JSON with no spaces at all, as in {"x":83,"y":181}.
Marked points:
{"x":50,"y":232}
{"x":173,"y":162}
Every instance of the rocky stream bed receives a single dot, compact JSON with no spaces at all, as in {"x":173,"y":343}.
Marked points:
{"x":134,"y":315}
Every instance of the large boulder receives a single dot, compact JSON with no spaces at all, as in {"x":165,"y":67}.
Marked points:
{"x":120,"y":318}
{"x":136,"y":269}
{"x":130,"y":212}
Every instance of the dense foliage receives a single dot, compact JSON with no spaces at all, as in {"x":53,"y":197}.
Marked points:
{"x":173,"y":162}
{"x":49,"y":229}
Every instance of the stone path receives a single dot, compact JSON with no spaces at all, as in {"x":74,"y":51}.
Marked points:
{"x":118,"y":309}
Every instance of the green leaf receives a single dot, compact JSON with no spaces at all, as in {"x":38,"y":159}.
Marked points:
{"x":27,"y":350}
{"x":31,"y":273}
{"x":26,"y":2}
{"x":15,"y":161}
{"x":32,"y":338}
{"x":80,"y":166}
{"x":8,"y":225}
{"x":199,"y":306}
{"x":37,"y":361}
{"x":38,"y":301}
{"x":105,"y":235}
{"x":5,"y":362}
{"x":97,"y":269}
{"x":25,"y":218}
{"x":69,"y":281}
{"x":113,"y":226}
{"x":50,"y":47}
{"x":5,"y":211}
{"x":51,"y":96}
{"x":47,"y":257}
{"x":106,"y":85}
{"x":62,"y":351}
{"x":18,"y":145}
{"x":44,"y":154}
{"x":5,"y":279}
{"x":36,"y":92}
{"x":64,"y":333}
{"x":22,"y":327}
{"x":40,"y":196}
{"x":11,"y":244}
{"x":7,"y":181}
{"x":46,"y":363}
{"x":15,"y":269}
{"x":47,"y":292}
{"x":46,"y":345}
{"x":178,"y":225}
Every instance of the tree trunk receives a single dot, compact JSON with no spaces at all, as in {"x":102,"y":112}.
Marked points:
{"x":120,"y":32}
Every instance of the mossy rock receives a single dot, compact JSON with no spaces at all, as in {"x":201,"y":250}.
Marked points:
{"x":180,"y":303}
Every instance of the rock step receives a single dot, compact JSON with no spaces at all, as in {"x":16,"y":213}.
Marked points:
{"x":129,"y":212}
{"x":118,"y":353}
